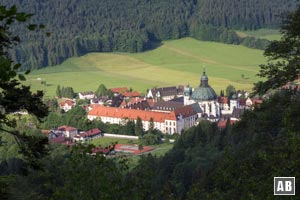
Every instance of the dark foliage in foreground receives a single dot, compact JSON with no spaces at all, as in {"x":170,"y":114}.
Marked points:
{"x":205,"y":163}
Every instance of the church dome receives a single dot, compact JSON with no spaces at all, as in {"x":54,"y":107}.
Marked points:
{"x":204,"y":92}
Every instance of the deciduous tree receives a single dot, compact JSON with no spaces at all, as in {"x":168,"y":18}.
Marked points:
{"x":283,"y":56}
{"x":230,"y":90}
{"x":15,"y":96}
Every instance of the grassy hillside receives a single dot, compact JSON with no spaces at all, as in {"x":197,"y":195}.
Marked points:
{"x":269,"y":34}
{"x":175,"y":62}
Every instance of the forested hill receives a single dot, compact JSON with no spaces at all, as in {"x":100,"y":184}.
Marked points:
{"x":82,"y":26}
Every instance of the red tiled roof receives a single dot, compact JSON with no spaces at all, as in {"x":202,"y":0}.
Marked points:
{"x":66,"y":128}
{"x":131,"y":114}
{"x":119,"y":90}
{"x":185,"y":111}
{"x":91,"y":132}
{"x":131,"y":94}
{"x":68,"y":102}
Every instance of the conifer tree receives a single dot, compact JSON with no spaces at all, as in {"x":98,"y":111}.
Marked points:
{"x":58,"y":91}
{"x":139,"y":131}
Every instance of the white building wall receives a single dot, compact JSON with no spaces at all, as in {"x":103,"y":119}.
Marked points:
{"x":248,"y":102}
{"x":149,"y":94}
{"x":233,"y":103}
{"x":70,"y":134}
{"x":188,"y":101}
{"x":168,"y":126}
{"x":225,"y":106}
{"x":89,"y":96}
{"x":66,"y":107}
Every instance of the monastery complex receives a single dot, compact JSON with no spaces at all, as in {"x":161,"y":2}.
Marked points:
{"x":172,"y":109}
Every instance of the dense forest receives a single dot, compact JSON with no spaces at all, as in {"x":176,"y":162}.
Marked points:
{"x":238,"y":162}
{"x":78,"y":27}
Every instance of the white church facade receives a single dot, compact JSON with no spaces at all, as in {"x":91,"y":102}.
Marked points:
{"x":205,"y":96}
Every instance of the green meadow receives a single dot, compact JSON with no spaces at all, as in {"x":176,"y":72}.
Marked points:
{"x":175,"y":62}
{"x":106,"y":141}
{"x":269,"y":34}
{"x":159,"y":149}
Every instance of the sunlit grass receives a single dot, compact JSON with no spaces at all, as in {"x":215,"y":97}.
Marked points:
{"x":159,"y":149}
{"x":269,"y":34}
{"x":175,"y":62}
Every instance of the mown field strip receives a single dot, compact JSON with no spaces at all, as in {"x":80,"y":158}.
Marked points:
{"x":174,"y":62}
